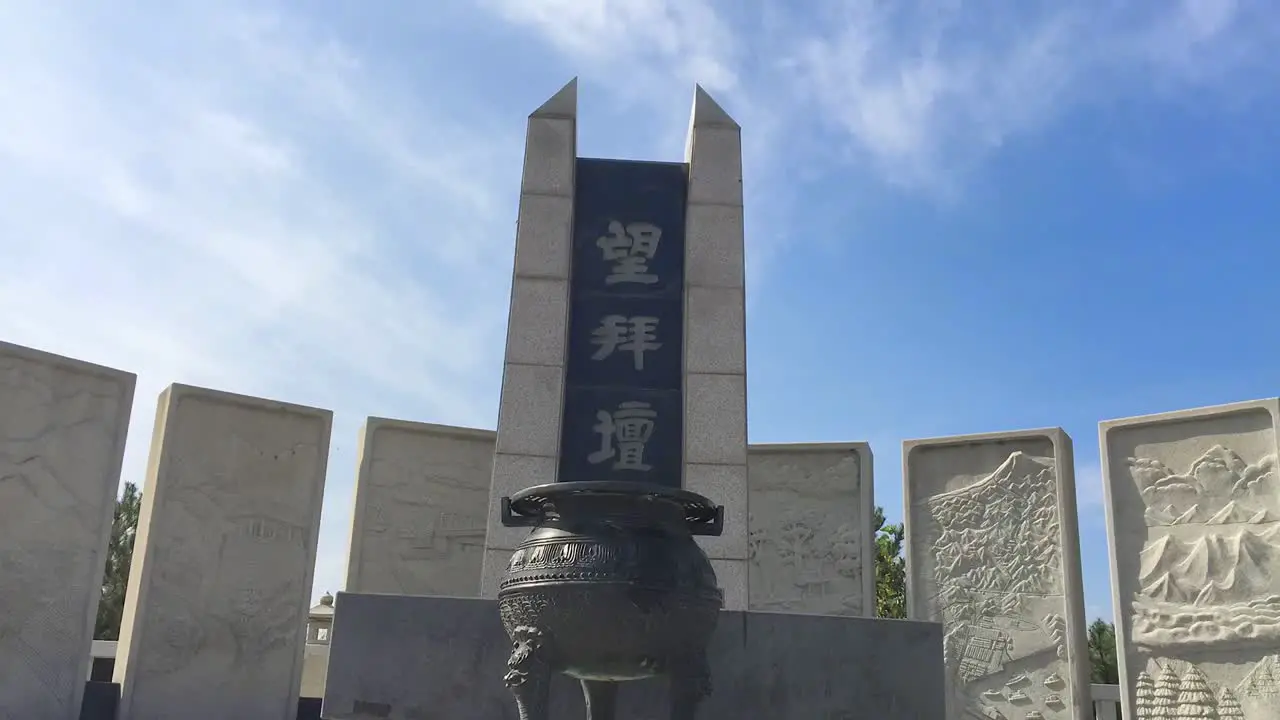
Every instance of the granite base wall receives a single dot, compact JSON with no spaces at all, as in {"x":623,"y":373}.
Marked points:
{"x":401,"y":657}
{"x":102,"y":700}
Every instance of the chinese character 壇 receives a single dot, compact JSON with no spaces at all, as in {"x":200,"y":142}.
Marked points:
{"x":635,"y":335}
{"x":623,"y":435}
{"x":630,"y":248}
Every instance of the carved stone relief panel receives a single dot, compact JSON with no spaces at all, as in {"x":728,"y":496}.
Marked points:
{"x":809,"y":529}
{"x":214,"y":624}
{"x":1194,"y":518}
{"x":62,"y":431}
{"x":421,"y":509}
{"x":993,"y":554}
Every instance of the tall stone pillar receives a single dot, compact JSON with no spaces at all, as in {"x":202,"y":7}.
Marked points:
{"x":625,"y":354}
{"x":530,"y":410}
{"x":715,"y":356}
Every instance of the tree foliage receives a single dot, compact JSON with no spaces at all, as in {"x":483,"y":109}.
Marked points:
{"x":1102,"y":653}
{"x":124,"y":527}
{"x":891,"y":568}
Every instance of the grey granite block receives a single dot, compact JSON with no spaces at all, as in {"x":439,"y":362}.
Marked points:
{"x":400,"y":657}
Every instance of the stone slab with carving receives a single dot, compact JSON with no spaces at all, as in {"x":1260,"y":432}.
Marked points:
{"x":215,"y":620}
{"x":810,"y":534}
{"x":62,"y":431}
{"x":993,"y":553}
{"x":419,"y":525}
{"x":1193,"y":504}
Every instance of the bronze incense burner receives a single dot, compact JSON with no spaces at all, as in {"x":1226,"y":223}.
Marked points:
{"x":609,"y":586}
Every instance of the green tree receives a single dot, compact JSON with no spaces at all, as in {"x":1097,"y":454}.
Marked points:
{"x":124,"y":526}
{"x":1102,"y":653}
{"x":891,"y":568}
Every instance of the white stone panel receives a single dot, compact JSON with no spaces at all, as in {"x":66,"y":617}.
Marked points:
{"x":714,"y":246}
{"x":419,"y":524}
{"x":715,"y":419}
{"x":1193,"y":507}
{"x":726,"y":484}
{"x":811,"y":544}
{"x":715,"y":175}
{"x":215,"y":621}
{"x":993,"y":553}
{"x":549,"y":157}
{"x":537,"y":322}
{"x":529,"y":415}
{"x":543,"y":236}
{"x":62,"y":432}
{"x":716,"y":331}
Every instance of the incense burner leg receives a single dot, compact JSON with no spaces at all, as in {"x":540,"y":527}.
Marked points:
{"x":529,"y":674}
{"x":602,"y":699}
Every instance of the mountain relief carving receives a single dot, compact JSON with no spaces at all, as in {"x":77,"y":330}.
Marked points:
{"x":1207,"y":571}
{"x":997,"y":569}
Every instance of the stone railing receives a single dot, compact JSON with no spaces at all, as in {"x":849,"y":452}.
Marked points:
{"x":1106,"y":701}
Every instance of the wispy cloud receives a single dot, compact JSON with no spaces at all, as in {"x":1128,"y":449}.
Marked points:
{"x":926,"y":90}
{"x":257,"y":214}
{"x":650,"y":40}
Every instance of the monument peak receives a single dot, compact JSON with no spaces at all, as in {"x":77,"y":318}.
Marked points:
{"x":564,"y":104}
{"x":708,"y":113}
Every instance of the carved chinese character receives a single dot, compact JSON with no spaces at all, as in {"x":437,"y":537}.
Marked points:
{"x":630,"y":248}
{"x":623,"y":435}
{"x":636,"y":335}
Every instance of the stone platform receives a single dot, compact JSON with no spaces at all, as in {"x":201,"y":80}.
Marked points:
{"x":405,"y":657}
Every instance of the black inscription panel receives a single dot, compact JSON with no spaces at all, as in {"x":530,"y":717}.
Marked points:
{"x":624,"y":409}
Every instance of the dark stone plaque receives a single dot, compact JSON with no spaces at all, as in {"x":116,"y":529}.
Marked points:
{"x":622,"y":434}
{"x":627,"y":343}
{"x":623,"y":411}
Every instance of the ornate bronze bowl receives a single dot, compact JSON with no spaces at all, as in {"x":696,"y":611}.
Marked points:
{"x":610,"y":586}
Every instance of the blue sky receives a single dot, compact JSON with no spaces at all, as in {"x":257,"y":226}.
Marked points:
{"x":959,"y":220}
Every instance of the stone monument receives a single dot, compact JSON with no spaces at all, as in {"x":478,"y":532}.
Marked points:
{"x":62,"y":431}
{"x":811,"y":539}
{"x":215,"y":618}
{"x":418,"y":526}
{"x":1193,"y":508}
{"x":610,"y":585}
{"x":993,"y":553}
{"x":623,"y":409}
{"x":679,"y":323}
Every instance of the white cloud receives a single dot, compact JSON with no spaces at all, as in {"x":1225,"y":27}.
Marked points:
{"x":248,"y":208}
{"x":681,"y":39}
{"x":929,"y":88}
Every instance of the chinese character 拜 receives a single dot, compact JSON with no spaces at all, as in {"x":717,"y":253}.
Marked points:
{"x":635,"y":335}
{"x":630,"y":248}
{"x":623,"y":435}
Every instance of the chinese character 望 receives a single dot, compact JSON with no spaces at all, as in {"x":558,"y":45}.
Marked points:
{"x":630,"y":248}
{"x":635,"y":335}
{"x":623,"y":435}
